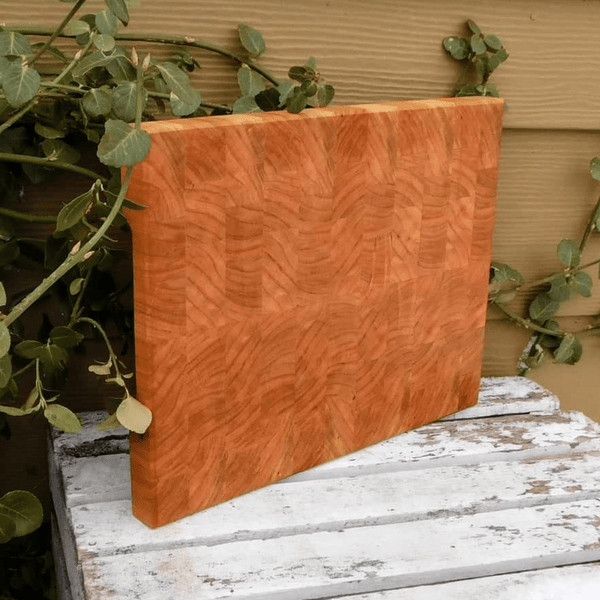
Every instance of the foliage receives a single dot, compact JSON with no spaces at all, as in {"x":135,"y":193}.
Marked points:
{"x":481,"y":54}
{"x":572,"y":280}
{"x":96,"y":94}
{"x":27,"y":568}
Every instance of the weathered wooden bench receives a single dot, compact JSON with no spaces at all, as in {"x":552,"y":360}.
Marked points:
{"x":499,"y":501}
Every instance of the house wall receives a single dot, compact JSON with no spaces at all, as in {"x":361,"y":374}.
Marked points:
{"x":385,"y":50}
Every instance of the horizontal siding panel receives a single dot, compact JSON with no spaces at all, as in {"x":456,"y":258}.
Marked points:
{"x":545,"y":194}
{"x":389,"y":50}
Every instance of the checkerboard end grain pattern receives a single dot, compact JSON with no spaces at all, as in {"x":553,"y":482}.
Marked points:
{"x":305,"y":286}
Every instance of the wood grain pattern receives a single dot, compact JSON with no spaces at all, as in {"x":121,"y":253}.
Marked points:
{"x":286,"y":311}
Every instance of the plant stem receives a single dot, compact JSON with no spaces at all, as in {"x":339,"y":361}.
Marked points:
{"x":51,"y":164}
{"x":19,"y":216}
{"x":18,"y":115}
{"x":590,"y":226}
{"x":570,"y":271}
{"x":527,"y":323}
{"x":75,"y":311}
{"x":175,"y":40}
{"x":78,"y":56}
{"x":24,"y":369}
{"x":58,"y":31}
{"x":204,"y":104}
{"x":73,"y":259}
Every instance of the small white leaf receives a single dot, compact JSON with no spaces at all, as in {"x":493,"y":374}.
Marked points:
{"x":133,"y":415}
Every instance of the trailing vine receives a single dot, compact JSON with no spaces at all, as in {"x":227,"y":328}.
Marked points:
{"x":96,"y":93}
{"x":482,"y":54}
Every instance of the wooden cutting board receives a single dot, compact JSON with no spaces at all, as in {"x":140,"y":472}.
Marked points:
{"x":305,"y":286}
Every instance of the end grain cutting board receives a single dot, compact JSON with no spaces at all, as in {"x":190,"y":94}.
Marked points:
{"x":305,"y":286}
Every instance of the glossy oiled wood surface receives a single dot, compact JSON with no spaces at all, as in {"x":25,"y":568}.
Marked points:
{"x":305,"y":285}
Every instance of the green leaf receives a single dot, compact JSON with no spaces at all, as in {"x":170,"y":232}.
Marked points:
{"x":309,"y":88}
{"x":458,"y":48}
{"x":2,"y":295}
{"x":180,"y":108}
{"x":133,"y":415}
{"x":15,"y":412}
{"x":111,"y":198}
{"x":122,"y":145}
{"x":268,"y":99}
{"x":582,"y":284}
{"x":477,"y":44}
{"x":103,"y":369}
{"x":568,"y":253}
{"x":285,"y":89}
{"x":311,"y":64}
{"x":504,"y":297}
{"x":490,"y":89}
{"x":62,"y":418}
{"x":103,"y":41}
{"x":24,"y":509}
{"x":492,"y":41}
{"x":119,"y":9}
{"x":298,"y":73}
{"x":550,"y":341}
{"x":4,"y":339}
{"x":48,"y":133}
{"x":99,"y":59}
{"x":72,"y":213}
{"x":9,"y":252}
{"x":124,"y":100}
{"x":111,"y":422}
{"x":325,"y":94}
{"x":177,"y":81}
{"x":245,"y":104}
{"x":53,"y":358}
{"x":250,"y":82}
{"x":5,"y":370}
{"x":7,"y":230}
{"x":7,"y":529}
{"x":76,"y":28}
{"x":29,"y":349}
{"x":473,"y":26}
{"x":106,"y":22}
{"x":569,"y":351}
{"x":296,"y":101}
{"x":120,"y":66}
{"x":543,"y":307}
{"x":560,"y":289}
{"x":595,"y":168}
{"x":251,"y":39}
{"x":504,"y":273}
{"x":97,"y":101}
{"x":13,"y":43}
{"x":20,"y":83}
{"x":61,"y":151}
{"x":65,"y":337}
{"x":75,"y":286}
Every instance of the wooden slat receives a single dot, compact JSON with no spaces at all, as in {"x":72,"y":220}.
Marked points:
{"x":287,"y":288}
{"x":508,"y":396}
{"x":389,"y":51}
{"x":88,"y":480}
{"x":324,"y":564}
{"x":279,"y":510}
{"x":579,"y":581}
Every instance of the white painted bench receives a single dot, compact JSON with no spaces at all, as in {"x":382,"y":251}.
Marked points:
{"x":499,"y":501}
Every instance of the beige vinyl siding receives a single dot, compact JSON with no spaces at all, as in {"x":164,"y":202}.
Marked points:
{"x":381,"y":50}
